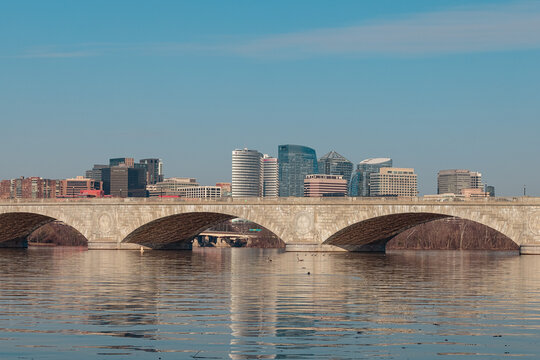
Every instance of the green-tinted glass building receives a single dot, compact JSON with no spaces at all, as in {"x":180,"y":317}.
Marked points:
{"x":295,"y":162}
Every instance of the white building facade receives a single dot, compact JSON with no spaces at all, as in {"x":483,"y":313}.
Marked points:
{"x":270,"y":176}
{"x":246,"y":173}
{"x":394,"y":182}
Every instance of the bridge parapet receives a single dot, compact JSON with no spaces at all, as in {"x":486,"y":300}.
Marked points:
{"x":308,"y":222}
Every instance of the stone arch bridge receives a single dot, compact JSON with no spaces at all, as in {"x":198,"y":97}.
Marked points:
{"x":353,"y":224}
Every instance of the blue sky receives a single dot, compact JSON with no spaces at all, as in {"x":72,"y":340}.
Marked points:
{"x":434,"y":85}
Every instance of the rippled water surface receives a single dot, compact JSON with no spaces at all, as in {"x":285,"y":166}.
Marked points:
{"x":265,"y":304}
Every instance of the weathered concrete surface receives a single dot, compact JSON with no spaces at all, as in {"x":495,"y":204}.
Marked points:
{"x":349,"y":223}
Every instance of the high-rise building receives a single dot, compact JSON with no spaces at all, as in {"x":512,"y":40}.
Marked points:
{"x":322,"y":185}
{"x":394,"y":182}
{"x":246,"y":173}
{"x":270,"y":176}
{"x":295,"y":163}
{"x":453,"y":181}
{"x":123,"y":181}
{"x":476,"y":180}
{"x":154,"y":170}
{"x":490,"y":190}
{"x":95,"y":172}
{"x":335,"y":164}
{"x":129,"y":162}
{"x":360,"y":184}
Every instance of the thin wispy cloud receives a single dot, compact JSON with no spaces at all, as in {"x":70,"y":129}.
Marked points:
{"x":494,"y":28}
{"x":56,"y":55}
{"x":514,"y":26}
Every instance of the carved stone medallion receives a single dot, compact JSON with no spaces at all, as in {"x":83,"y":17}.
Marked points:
{"x":303,"y":223}
{"x":534,"y":222}
{"x":105,"y":223}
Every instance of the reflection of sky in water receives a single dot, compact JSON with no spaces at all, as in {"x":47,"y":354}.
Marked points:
{"x":262,"y":304}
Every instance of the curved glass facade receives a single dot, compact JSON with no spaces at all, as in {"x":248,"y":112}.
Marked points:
{"x":295,"y":162}
{"x":360,"y":182}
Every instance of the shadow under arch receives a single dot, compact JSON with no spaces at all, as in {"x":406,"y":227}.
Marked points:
{"x":373,"y":234}
{"x":16,"y":227}
{"x":175,"y":231}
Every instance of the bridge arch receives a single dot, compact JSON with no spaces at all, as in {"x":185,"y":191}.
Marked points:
{"x":176,"y":231}
{"x":15,"y":227}
{"x":374,"y":233}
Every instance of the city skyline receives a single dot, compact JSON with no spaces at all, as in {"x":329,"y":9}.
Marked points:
{"x":259,"y":175}
{"x":446,"y":85}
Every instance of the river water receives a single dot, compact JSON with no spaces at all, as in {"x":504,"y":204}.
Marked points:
{"x":65,"y":303}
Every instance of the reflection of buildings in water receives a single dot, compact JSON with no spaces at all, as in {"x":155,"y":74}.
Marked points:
{"x":253,"y":305}
{"x":399,"y":289}
{"x":311,"y":293}
{"x":407,"y":285}
{"x":81,"y":290}
{"x":121,"y":288}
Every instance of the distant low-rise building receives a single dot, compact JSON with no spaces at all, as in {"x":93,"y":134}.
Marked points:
{"x":322,"y":185}
{"x":200,"y":192}
{"x":74,"y":187}
{"x":453,"y":181}
{"x":5,"y":189}
{"x":29,"y":188}
{"x":226,"y":188}
{"x":394,"y":182}
{"x":474,"y":193}
{"x":170,"y":186}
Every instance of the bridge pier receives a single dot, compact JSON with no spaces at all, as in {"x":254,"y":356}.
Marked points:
{"x":312,"y":247}
{"x":111,"y":244}
{"x":529,"y":249}
{"x":20,"y":243}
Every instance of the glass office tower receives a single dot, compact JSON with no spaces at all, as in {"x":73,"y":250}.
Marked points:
{"x":360,"y":182}
{"x":295,"y":162}
{"x":335,"y":164}
{"x":154,"y":170}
